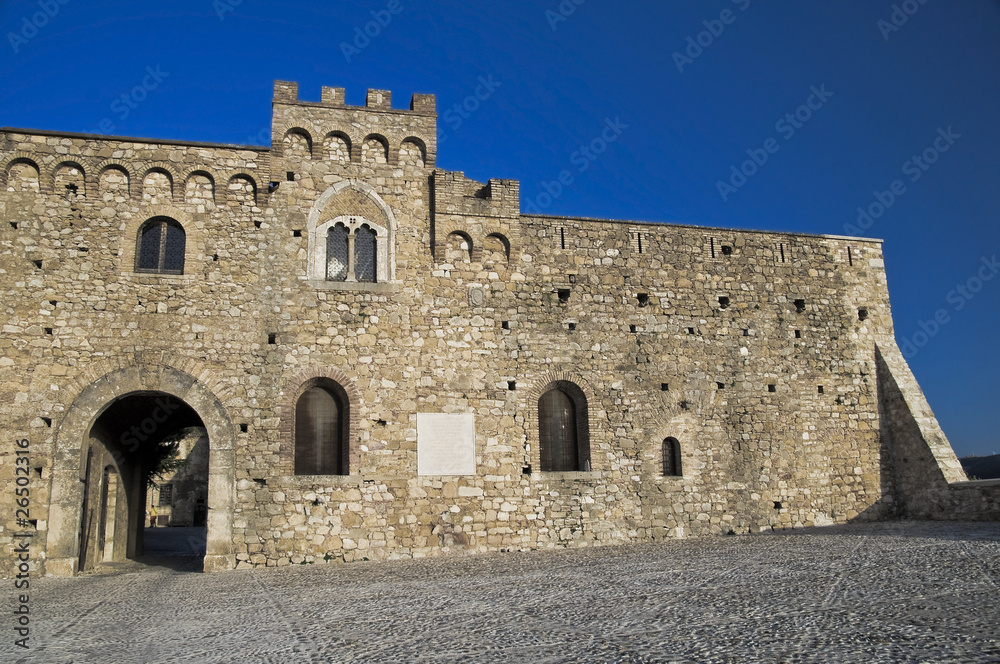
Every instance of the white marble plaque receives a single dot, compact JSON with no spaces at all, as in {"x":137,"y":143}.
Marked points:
{"x":446,"y":444}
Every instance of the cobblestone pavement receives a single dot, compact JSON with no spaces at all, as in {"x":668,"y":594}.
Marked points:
{"x":890,"y":592}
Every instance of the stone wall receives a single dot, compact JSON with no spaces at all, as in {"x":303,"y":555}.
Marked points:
{"x":756,"y":351}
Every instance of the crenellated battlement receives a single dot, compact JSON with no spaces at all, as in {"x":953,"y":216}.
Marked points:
{"x":456,"y":194}
{"x":287,"y":92}
{"x":330,"y":131}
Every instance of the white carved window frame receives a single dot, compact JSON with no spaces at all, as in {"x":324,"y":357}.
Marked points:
{"x":385,"y":252}
{"x":317,"y":258}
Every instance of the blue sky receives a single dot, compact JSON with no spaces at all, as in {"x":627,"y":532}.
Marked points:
{"x":895,"y":79}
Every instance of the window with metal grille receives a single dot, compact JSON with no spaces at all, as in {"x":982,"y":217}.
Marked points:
{"x":671,"y":457}
{"x":321,"y":431}
{"x":160,"y":247}
{"x":336,"y":253}
{"x":563,"y":438}
{"x":364,"y":254}
{"x":166,"y":495}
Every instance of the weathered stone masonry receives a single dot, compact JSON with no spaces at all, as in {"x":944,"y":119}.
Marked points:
{"x":768,"y":357}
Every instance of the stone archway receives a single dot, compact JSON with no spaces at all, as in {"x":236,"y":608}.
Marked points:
{"x":74,"y":456}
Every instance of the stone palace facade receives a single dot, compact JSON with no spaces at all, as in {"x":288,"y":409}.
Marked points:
{"x":382,"y":359}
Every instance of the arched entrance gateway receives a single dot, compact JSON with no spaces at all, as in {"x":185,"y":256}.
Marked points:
{"x":109,"y":443}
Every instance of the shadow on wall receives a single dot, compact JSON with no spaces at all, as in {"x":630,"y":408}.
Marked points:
{"x":928,"y":481}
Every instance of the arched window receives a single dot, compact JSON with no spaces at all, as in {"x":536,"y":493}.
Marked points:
{"x":160,"y":247}
{"x":370,"y":234}
{"x":563,"y":439}
{"x":352,"y":247}
{"x":364,"y":254}
{"x":671,"y":457}
{"x":322,"y":420}
{"x":336,"y":253}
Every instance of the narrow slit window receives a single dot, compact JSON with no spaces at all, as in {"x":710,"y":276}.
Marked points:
{"x":671,"y":457}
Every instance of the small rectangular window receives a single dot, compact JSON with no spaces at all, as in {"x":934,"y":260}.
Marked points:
{"x":166,"y":495}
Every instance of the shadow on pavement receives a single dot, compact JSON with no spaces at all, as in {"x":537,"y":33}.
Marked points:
{"x":177,"y":549}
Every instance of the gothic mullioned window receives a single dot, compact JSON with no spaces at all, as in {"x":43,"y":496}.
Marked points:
{"x":160,"y":247}
{"x":351,"y":233}
{"x":352,"y":251}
